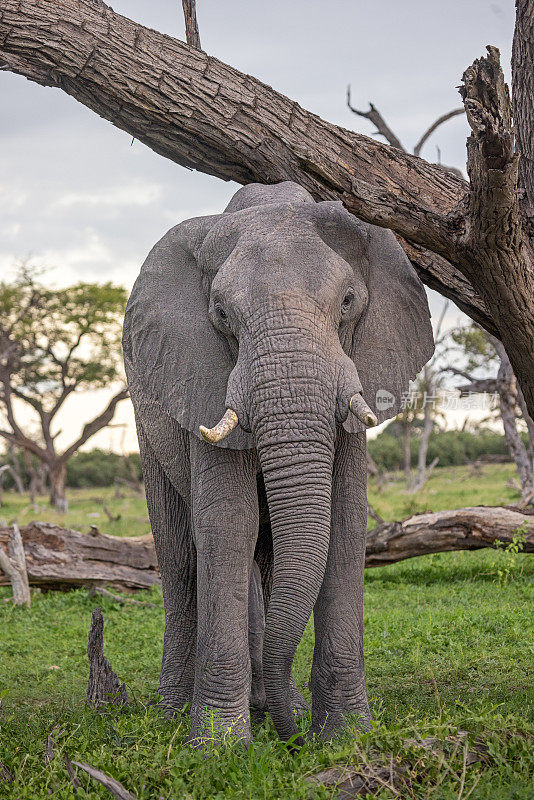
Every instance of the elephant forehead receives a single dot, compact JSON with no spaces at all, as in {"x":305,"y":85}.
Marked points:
{"x":269,"y":239}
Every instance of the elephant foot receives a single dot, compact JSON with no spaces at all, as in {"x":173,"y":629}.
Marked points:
{"x":169,"y":704}
{"x":335,"y":723}
{"x":299,"y":705}
{"x":213,"y":727}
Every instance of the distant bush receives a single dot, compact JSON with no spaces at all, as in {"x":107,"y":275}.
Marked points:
{"x":101,"y":468}
{"x":452,"y":447}
{"x":84,"y":469}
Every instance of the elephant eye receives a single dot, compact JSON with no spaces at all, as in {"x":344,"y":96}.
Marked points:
{"x":221,"y":313}
{"x":347,"y":300}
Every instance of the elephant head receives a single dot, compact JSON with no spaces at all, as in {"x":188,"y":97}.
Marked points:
{"x":265,"y":327}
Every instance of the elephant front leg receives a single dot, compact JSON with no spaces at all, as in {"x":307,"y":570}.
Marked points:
{"x":338,"y":679}
{"x":225,"y":522}
{"x":173,"y":539}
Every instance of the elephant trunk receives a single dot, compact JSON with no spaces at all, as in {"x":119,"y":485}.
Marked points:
{"x":299,"y":497}
{"x":293,"y":421}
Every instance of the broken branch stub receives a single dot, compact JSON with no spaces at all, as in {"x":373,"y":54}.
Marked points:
{"x":104,"y":686}
{"x":13,"y":563}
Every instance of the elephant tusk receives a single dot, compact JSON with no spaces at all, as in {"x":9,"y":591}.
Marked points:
{"x":361,"y":410}
{"x":220,"y":431}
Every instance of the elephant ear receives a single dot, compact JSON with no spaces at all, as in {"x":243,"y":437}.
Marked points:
{"x":393,"y":339}
{"x":172,"y":352}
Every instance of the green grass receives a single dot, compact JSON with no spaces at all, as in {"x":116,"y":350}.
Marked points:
{"x":448,"y":646}
{"x":85,"y":509}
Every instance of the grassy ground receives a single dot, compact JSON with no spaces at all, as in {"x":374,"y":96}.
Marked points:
{"x":449,"y":645}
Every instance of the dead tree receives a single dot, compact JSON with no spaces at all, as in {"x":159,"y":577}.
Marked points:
{"x":473,"y":242}
{"x":383,"y":129}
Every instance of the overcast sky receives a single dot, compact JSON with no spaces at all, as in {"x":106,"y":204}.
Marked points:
{"x":78,"y":197}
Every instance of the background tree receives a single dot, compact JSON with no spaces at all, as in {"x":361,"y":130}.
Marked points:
{"x":484,"y":353}
{"x":54,"y":342}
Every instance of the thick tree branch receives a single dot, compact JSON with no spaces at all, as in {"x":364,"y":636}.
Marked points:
{"x":493,"y":252}
{"x":523,"y":105}
{"x":203,"y":114}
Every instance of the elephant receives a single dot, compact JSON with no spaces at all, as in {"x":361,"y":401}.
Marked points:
{"x":259,"y":345}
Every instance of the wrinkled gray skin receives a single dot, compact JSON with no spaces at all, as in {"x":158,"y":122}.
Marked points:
{"x":280,"y":309}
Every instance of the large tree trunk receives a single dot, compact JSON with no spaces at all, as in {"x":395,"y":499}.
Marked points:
{"x":58,"y":558}
{"x":57,"y":474}
{"x":201,"y":113}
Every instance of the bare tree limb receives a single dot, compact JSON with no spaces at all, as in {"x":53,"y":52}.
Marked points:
{"x":192,"y":35}
{"x":117,"y":789}
{"x":95,"y":425}
{"x":477,"y":385}
{"x":523,"y":105}
{"x":374,"y":116}
{"x":428,"y":133}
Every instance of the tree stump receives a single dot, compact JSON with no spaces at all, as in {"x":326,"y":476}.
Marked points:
{"x":13,"y":563}
{"x":103,"y":686}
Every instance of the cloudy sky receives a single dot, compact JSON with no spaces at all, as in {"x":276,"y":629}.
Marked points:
{"x":78,"y":197}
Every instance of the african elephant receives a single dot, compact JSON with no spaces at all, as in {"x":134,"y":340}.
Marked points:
{"x":259,"y":343}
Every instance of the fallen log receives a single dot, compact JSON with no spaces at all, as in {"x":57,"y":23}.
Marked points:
{"x":442,"y":531}
{"x":61,"y":558}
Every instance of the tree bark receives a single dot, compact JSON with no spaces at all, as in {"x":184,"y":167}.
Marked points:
{"x":201,"y":113}
{"x":494,"y":249}
{"x":523,"y":105}
{"x":58,"y":558}
{"x":443,"y":531}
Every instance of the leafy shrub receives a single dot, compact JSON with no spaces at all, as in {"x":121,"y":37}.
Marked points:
{"x":452,"y":447}
{"x":100,"y":468}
